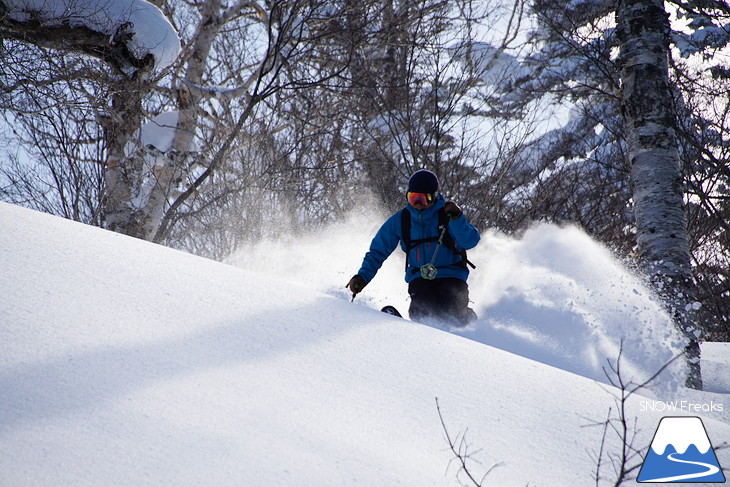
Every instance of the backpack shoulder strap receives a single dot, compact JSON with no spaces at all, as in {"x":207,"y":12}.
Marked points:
{"x":405,"y":226}
{"x":449,"y":241}
{"x":444,"y":222}
{"x":405,"y":231}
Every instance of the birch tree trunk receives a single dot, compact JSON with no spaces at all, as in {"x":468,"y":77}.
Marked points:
{"x":169,"y":170}
{"x":133,"y":178}
{"x":123,"y":175}
{"x":663,"y":243}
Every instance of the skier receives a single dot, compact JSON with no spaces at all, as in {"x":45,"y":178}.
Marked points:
{"x":434,"y":234}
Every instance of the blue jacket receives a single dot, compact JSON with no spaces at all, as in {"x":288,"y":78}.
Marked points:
{"x":424,"y":224}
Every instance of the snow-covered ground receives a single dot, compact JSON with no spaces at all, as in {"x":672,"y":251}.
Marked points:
{"x":554,"y":295}
{"x":127,"y":363}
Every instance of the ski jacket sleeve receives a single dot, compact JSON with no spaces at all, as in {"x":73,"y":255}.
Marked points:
{"x":383,"y":244}
{"x":465,"y":234}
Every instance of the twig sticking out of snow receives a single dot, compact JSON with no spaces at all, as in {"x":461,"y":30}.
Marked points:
{"x":460,"y":448}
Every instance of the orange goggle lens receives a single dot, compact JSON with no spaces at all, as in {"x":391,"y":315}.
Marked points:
{"x":420,"y":198}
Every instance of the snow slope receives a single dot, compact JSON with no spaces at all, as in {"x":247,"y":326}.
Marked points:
{"x":554,"y":295}
{"x":126,"y":363}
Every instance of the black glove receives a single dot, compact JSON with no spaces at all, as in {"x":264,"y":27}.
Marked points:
{"x":356,"y":284}
{"x":452,"y":209}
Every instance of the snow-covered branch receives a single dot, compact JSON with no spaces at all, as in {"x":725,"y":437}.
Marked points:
{"x":129,"y":34}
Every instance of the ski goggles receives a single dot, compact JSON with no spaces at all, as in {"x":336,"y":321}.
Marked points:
{"x":424,"y":199}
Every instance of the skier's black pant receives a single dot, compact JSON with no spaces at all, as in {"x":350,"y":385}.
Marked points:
{"x":443,"y":299}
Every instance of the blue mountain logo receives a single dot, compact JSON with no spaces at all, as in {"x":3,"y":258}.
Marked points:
{"x":681,"y":452}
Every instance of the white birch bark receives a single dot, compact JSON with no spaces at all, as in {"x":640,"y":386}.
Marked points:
{"x":168,"y":172}
{"x":663,"y":242}
{"x":123,"y":175}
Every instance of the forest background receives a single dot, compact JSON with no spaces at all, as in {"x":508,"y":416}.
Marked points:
{"x":276,"y":116}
